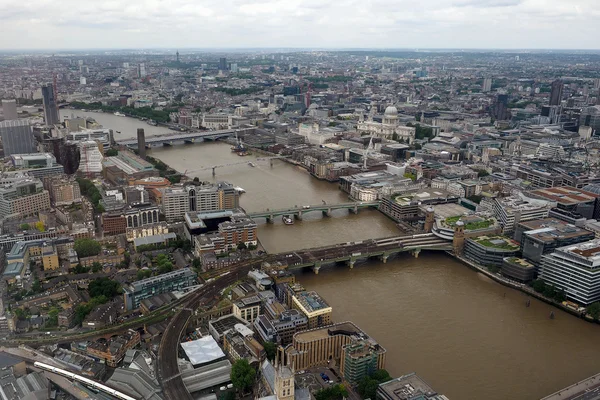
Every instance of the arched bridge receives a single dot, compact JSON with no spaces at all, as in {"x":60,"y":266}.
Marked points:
{"x":181,"y":138}
{"x":363,"y":250}
{"x":325,"y":209}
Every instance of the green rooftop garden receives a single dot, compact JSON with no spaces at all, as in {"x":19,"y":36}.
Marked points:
{"x":497,"y":242}
{"x":471,"y":223}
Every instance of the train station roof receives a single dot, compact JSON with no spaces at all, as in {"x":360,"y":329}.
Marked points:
{"x":203,"y":350}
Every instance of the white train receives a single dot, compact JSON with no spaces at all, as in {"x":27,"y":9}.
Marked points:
{"x":85,"y":381}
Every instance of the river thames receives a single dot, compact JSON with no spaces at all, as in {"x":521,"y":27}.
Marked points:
{"x":469,"y":337}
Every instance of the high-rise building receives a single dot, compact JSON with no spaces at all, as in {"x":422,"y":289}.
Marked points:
{"x":487,"y":85}
{"x":9,"y":108}
{"x":223,"y":64}
{"x":591,"y":117}
{"x":574,"y":269}
{"x":142,"y":70}
{"x":141,"y":139}
{"x":50,"y":107}
{"x":17,"y":137}
{"x":500,"y":108}
{"x":179,"y":200}
{"x":556,"y":92}
{"x":360,"y":359}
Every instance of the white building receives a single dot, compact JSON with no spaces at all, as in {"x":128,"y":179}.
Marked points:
{"x":509,"y":211}
{"x":216,"y":121}
{"x":487,"y":85}
{"x":576,"y":270}
{"x":388,"y":127}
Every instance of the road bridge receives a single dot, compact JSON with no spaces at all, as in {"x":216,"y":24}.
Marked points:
{"x":182,"y":138}
{"x":324,"y":208}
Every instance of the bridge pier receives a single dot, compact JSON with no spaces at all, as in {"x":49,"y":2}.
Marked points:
{"x":316,"y":268}
{"x":353,"y":210}
{"x":416,"y":252}
{"x":384,"y":257}
{"x":213,"y":171}
{"x":270,"y":219}
{"x":327,"y":213}
{"x":351,"y":262}
{"x":271,"y":162}
{"x":298,"y":215}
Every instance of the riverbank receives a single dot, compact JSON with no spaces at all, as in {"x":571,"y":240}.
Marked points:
{"x":519,"y":286}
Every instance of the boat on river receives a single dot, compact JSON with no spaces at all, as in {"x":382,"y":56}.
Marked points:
{"x":288,"y":220}
{"x":118,"y":114}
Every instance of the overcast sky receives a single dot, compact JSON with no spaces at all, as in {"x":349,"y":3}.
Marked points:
{"x":80,"y":24}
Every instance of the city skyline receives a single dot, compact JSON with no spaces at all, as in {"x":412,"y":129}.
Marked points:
{"x":437,"y":24}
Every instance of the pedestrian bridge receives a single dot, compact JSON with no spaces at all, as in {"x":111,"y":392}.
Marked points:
{"x":352,"y":252}
{"x":182,"y":138}
{"x":325,"y":209}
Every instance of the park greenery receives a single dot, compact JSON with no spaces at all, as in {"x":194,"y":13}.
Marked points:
{"x":505,"y":245}
{"x":24,"y":227}
{"x":163,"y":264}
{"x":104,"y":287}
{"x":335,"y":392}
{"x":421,"y":132}
{"x":368,"y":385}
{"x":89,"y":190}
{"x":85,"y":247}
{"x":413,"y":177}
{"x":242,"y":375}
{"x":549,"y":291}
{"x":112,"y":152}
{"x":141,"y":112}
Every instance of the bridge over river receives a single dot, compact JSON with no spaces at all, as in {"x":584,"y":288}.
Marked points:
{"x":325,"y":209}
{"x":352,"y":252}
{"x":182,"y":138}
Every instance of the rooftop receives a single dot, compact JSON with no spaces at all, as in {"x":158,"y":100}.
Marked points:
{"x":589,"y":250}
{"x":311,"y":301}
{"x":341,"y":328}
{"x":497,"y":242}
{"x":408,"y":387}
{"x":565,"y":195}
{"x":551,"y":229}
{"x":203,"y":350}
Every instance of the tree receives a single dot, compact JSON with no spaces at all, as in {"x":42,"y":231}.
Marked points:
{"x":143,"y":274}
{"x":96,"y":267}
{"x":335,"y":392}
{"x":40,"y":226}
{"x":242,"y":375}
{"x":367,"y":387}
{"x":271,"y":350}
{"x":381,"y":376}
{"x":242,"y":246}
{"x":24,"y":227}
{"x":112,"y":152}
{"x":227,"y":396}
{"x":80,"y":269}
{"x":196,"y":263}
{"x":539,"y":285}
{"x":482,"y":173}
{"x":53,"y":317}
{"x":87,"y":247}
{"x":104,"y":287}
{"x":594,"y":310}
